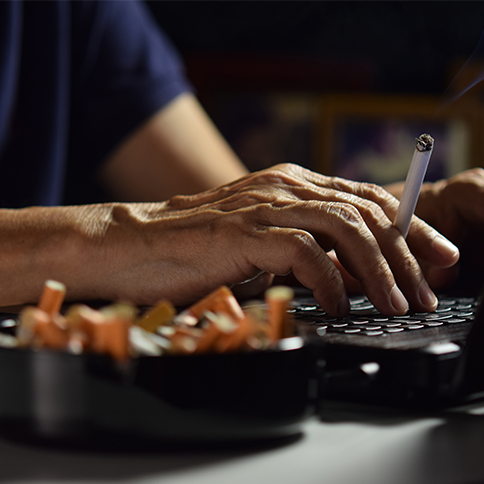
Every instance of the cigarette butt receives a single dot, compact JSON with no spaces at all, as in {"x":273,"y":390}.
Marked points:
{"x":77,"y":342}
{"x":254,"y":332}
{"x":144,"y":342}
{"x":183,"y":344}
{"x":28,"y":318}
{"x":185,"y":339}
{"x":52,"y":297}
{"x":220,"y":300}
{"x":121,"y":310}
{"x":161,"y":314}
{"x":39,"y":329}
{"x":217,"y":328}
{"x":278,"y":299}
{"x":185,"y":319}
{"x":237,"y":340}
{"x":182,"y":338}
{"x":82,"y":322}
{"x":112,"y":337}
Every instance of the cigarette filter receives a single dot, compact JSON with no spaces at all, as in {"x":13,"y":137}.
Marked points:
{"x":52,"y":297}
{"x":239,"y":339}
{"x":82,"y":322}
{"x":221,"y":300}
{"x":161,"y":314}
{"x":413,"y":183}
{"x":147,"y":343}
{"x":43,"y":329}
{"x":219,"y":327}
{"x":278,"y":299}
{"x":112,"y":338}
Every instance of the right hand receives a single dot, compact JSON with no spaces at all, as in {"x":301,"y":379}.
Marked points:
{"x":272,"y":222}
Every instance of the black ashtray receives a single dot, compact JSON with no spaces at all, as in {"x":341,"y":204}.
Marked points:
{"x":174,"y":399}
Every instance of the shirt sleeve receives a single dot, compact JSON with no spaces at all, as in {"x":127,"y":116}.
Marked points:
{"x":124,"y":70}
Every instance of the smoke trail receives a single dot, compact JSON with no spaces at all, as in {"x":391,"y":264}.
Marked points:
{"x":450,"y":95}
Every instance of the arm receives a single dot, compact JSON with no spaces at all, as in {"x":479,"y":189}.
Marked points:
{"x":275,"y":221}
{"x":177,"y":151}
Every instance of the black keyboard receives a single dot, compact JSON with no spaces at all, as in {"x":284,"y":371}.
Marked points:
{"x":365,"y":320}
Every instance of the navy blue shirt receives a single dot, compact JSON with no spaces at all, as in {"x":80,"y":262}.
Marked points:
{"x":76,"y":78}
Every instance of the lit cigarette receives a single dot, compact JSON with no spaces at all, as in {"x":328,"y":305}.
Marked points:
{"x":413,"y":183}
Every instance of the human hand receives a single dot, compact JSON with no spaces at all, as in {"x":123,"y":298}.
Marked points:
{"x":455,"y":207}
{"x":275,"y":221}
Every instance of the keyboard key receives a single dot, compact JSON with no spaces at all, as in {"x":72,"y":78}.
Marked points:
{"x":447,"y":302}
{"x":466,"y":300}
{"x":306,"y":307}
{"x":443,"y":309}
{"x":465,"y":315}
{"x":372,"y":333}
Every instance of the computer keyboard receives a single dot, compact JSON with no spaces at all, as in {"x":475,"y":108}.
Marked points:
{"x":365,"y":320}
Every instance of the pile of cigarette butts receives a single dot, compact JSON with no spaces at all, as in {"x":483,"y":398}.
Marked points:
{"x":215,"y":324}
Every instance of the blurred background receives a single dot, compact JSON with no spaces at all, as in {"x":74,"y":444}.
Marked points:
{"x":341,"y":87}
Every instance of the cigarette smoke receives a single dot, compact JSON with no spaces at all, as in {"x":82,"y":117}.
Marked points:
{"x":451,"y":94}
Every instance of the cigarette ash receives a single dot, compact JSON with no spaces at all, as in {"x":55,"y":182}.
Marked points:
{"x":424,"y":142}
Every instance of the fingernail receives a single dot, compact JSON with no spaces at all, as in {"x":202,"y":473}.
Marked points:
{"x":444,"y":246}
{"x":427,"y":297}
{"x":343,"y":306}
{"x":398,"y":300}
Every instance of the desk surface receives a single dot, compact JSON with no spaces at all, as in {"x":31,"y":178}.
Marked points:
{"x":446,"y":449}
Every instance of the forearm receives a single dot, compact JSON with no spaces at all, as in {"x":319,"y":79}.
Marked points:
{"x":80,"y":246}
{"x":137,"y":252}
{"x":177,"y":151}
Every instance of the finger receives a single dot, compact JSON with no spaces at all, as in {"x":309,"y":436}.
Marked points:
{"x":280,"y":250}
{"x":340,"y":226}
{"x":370,"y":256}
{"x":406,"y":270}
{"x":430,"y":246}
{"x":426,"y":243}
{"x":352,"y":285}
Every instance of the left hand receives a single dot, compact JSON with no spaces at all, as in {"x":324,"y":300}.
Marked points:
{"x":455,"y":207}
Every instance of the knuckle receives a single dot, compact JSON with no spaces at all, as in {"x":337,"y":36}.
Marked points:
{"x":346,"y":212}
{"x":408,"y":264}
{"x":285,"y":167}
{"x":281,"y":174}
{"x":274,"y":176}
{"x":302,"y":245}
{"x":373,"y":214}
{"x":374,"y":192}
{"x":478,"y":171}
